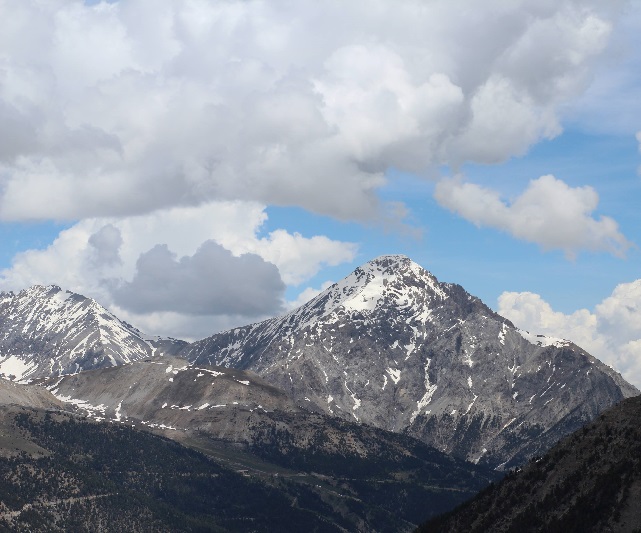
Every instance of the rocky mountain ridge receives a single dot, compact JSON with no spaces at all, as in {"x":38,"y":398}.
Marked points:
{"x":45,"y":331}
{"x":389,"y":346}
{"x":168,"y":393}
{"x":233,"y":415}
{"x":393,"y":347}
{"x":373,"y":398}
{"x":12,"y":393}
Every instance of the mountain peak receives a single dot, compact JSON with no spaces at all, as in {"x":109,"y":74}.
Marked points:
{"x":47,"y":331}
{"x":386,"y":281}
{"x":390,"y":266}
{"x":388,"y":261}
{"x":40,"y":290}
{"x":391,"y":346}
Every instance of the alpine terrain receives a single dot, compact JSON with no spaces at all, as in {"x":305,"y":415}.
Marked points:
{"x":45,"y":331}
{"x":369,"y":479}
{"x":362,"y":410}
{"x":590,"y":481}
{"x":60,"y":473}
{"x":393,"y":347}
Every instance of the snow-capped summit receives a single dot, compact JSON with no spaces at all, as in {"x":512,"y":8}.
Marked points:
{"x":394,"y":279}
{"x":392,"y":346}
{"x":389,"y":283}
{"x":45,"y":331}
{"x":389,"y":346}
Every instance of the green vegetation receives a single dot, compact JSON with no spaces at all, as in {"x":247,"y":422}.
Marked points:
{"x":108,"y":476}
{"x":393,"y":473}
{"x":66,"y":473}
{"x":589,"y":482}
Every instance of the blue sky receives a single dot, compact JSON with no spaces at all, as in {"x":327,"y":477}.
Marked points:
{"x":153,"y":149}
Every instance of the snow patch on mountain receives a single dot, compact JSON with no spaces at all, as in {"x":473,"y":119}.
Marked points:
{"x":16,"y":367}
{"x":395,"y":374}
{"x":542,"y":340}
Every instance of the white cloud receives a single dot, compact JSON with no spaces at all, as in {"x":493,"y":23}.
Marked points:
{"x":130,"y":107}
{"x":611,"y":105}
{"x":611,"y":332}
{"x":549,"y":213}
{"x":620,"y":314}
{"x":530,"y":312}
{"x":299,"y":258}
{"x":158,"y":122}
{"x":109,"y":259}
{"x":183,"y":326}
{"x":506,"y":116}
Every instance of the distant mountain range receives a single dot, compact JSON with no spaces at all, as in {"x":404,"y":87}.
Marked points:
{"x":388,"y":398}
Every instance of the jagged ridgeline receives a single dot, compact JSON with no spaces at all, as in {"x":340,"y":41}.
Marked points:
{"x":391,"y":346}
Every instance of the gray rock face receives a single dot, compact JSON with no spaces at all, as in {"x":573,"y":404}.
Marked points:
{"x":45,"y":331}
{"x":167,"y":393}
{"x":392,"y":347}
{"x":232,"y":405}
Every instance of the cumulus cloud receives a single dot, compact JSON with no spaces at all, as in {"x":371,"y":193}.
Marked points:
{"x":611,"y":332}
{"x":173,"y":124}
{"x":620,"y":314}
{"x":549,"y":213}
{"x":299,"y":258}
{"x":532,"y":313}
{"x":130,"y":107}
{"x":102,"y":257}
{"x":183,"y":326}
{"x":610,"y":105}
{"x":510,"y":119}
{"x":211,"y":282}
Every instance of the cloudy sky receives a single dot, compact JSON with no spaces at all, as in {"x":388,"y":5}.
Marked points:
{"x":201,"y":164}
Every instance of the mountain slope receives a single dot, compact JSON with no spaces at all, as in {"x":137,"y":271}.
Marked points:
{"x":45,"y":331}
{"x":391,"y":346}
{"x":27,"y":396}
{"x":167,"y":392}
{"x":236,"y":417}
{"x":591,"y":481}
{"x":78,"y":475}
{"x":18,"y":396}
